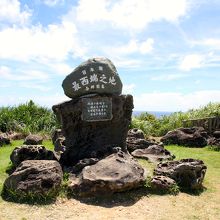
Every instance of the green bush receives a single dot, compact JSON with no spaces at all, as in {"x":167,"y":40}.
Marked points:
{"x":160,"y":126}
{"x":27,"y":118}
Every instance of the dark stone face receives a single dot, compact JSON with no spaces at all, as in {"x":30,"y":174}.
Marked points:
{"x":98,"y":136}
{"x":97,"y":75}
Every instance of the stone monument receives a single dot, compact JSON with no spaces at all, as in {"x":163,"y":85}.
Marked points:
{"x":95,"y":121}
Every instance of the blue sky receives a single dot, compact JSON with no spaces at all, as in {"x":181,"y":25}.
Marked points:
{"x":167,"y":52}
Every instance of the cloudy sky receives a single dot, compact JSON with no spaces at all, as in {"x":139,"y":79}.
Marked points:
{"x":167,"y":52}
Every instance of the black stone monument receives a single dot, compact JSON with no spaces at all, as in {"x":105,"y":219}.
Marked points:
{"x":95,"y":121}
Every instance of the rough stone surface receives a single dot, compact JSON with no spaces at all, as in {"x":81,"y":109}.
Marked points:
{"x":117,"y":172}
{"x":162,"y":183}
{"x":4,"y":139}
{"x":97,"y":75}
{"x":191,"y":137}
{"x":188,"y":173}
{"x":134,"y":143}
{"x":33,"y":139}
{"x":216,"y":134}
{"x":15,"y":135}
{"x":136,"y":133}
{"x":83,"y":163}
{"x":84,"y":139}
{"x":212,"y":141}
{"x":31,"y":152}
{"x":36,"y":177}
{"x":58,"y":140}
{"x":153,"y":153}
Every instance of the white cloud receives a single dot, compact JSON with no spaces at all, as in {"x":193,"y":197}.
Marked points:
{"x":168,"y":77}
{"x":32,"y":85}
{"x":191,"y":61}
{"x":45,"y":100}
{"x":61,"y":68}
{"x":134,"y":46}
{"x":24,"y":75}
{"x":131,"y":14}
{"x":173,"y":101}
{"x":128,"y":88}
{"x":10,"y":11}
{"x":210,"y":42}
{"x":54,"y":42}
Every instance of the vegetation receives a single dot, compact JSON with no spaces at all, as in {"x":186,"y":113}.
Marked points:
{"x":160,"y":126}
{"x":27,"y":118}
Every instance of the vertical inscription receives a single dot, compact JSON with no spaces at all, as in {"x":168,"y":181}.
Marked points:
{"x":97,"y":109}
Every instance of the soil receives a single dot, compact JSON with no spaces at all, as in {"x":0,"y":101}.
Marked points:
{"x":132,"y":205}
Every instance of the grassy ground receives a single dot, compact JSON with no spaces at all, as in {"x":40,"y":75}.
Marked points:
{"x":136,"y":204}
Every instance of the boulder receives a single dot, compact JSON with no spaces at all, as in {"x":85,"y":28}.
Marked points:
{"x":96,"y":75}
{"x":83,"y":163}
{"x":188,"y":173}
{"x":212,"y":141}
{"x":216,"y":134}
{"x":35,"y":178}
{"x":162,"y":183}
{"x":15,"y":135}
{"x":153,"y":153}
{"x":134,"y":143}
{"x":58,"y":140}
{"x":31,"y":152}
{"x":4,"y":139}
{"x":33,"y":139}
{"x":136,"y":133}
{"x":88,"y":134}
{"x":191,"y":137}
{"x":117,"y":172}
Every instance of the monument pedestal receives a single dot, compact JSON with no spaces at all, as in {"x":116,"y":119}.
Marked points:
{"x":94,"y":126}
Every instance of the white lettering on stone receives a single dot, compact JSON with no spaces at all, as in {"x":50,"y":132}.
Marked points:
{"x":101,"y":68}
{"x":103,"y":79}
{"x":76,"y":86}
{"x":84,"y":72}
{"x":84,"y":81}
{"x":94,"y":78}
{"x":112,"y":80}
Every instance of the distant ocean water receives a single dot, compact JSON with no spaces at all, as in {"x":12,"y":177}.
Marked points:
{"x":156,"y":113}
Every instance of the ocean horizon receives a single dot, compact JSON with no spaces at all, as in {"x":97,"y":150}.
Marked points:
{"x":158,"y":114}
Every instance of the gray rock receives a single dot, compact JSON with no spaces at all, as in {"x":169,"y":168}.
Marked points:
{"x":33,"y":139}
{"x":4,"y":139}
{"x":188,"y":173}
{"x":96,"y":75}
{"x":137,"y":143}
{"x":31,"y":152}
{"x":83,"y":163}
{"x":216,"y":134}
{"x":153,"y":153}
{"x":93,"y":139}
{"x":117,"y":172}
{"x":34,"y":177}
{"x":136,"y":133}
{"x":191,"y":137}
{"x":162,"y":183}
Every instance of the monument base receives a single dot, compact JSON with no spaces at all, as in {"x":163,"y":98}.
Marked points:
{"x":94,"y":126}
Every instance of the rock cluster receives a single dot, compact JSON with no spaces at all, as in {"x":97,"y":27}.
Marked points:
{"x":191,"y":137}
{"x":153,"y":153}
{"x":188,"y":173}
{"x":117,"y":172}
{"x":136,"y":140}
{"x":4,"y":139}
{"x":33,"y":139}
{"x":31,"y":152}
{"x":35,"y":178}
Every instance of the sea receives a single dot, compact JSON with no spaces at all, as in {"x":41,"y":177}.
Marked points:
{"x":158,"y":114}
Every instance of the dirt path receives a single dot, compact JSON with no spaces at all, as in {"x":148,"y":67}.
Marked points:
{"x":122,"y":206}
